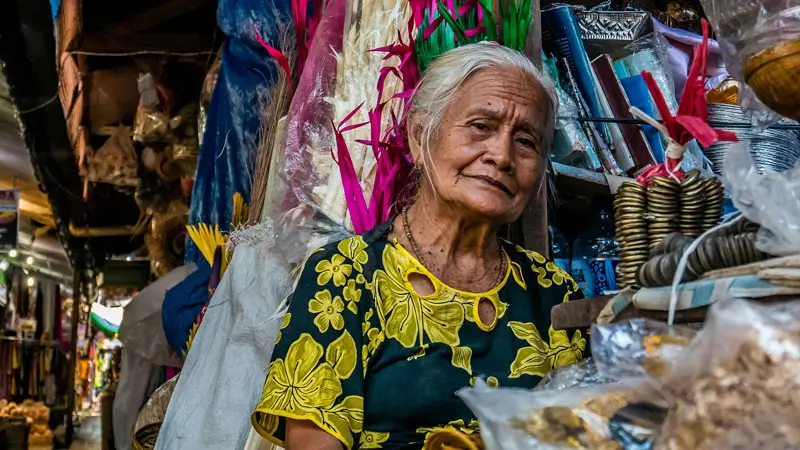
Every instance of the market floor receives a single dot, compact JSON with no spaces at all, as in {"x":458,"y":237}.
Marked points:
{"x":88,"y":436}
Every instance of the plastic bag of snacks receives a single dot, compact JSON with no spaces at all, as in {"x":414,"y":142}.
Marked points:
{"x":737,"y":384}
{"x":619,"y":415}
{"x":580,"y":374}
{"x":732,"y":385}
{"x":637,"y":348}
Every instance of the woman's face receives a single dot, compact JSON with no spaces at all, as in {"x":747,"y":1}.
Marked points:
{"x":488,"y":158}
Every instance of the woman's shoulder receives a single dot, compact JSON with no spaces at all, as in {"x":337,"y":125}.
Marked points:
{"x":540,"y":269}
{"x":357,"y":251}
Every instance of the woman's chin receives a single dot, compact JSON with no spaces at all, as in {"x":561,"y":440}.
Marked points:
{"x":492,"y":208}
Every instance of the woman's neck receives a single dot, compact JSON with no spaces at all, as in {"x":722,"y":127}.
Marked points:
{"x":448,"y":235}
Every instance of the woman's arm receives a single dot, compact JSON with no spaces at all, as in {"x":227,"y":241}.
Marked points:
{"x":305,"y":435}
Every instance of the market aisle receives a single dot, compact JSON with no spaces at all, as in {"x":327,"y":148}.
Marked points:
{"x":89,"y":435}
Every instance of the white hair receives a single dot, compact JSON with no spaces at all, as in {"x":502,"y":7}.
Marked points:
{"x":445,"y":75}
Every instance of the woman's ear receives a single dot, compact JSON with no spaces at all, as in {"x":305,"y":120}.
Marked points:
{"x":414,"y":133}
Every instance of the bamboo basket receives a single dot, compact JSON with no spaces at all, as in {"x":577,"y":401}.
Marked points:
{"x":771,"y":74}
{"x":453,"y":440}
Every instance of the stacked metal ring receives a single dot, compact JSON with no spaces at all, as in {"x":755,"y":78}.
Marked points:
{"x":630,"y":206}
{"x":663,"y":199}
{"x":715,"y":195}
{"x":692,"y":201}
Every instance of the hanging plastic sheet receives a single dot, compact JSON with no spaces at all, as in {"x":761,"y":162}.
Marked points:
{"x":227,"y":154}
{"x":226,"y":367}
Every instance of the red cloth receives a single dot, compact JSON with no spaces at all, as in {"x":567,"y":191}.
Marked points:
{"x":691,"y":120}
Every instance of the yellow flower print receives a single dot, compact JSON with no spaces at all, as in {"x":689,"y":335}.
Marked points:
{"x":364,"y":358}
{"x":423,"y":350}
{"x":516,"y":270}
{"x":372,"y":439}
{"x":564,"y":351}
{"x":540,"y":358}
{"x":542,"y":278}
{"x":531,"y":255}
{"x":462,"y":358}
{"x":360,"y":279}
{"x":305,"y":387}
{"x":375,"y":337}
{"x":300,"y":384}
{"x":406,"y":316}
{"x":471,"y":428}
{"x":492,"y":382}
{"x":353,"y":248}
{"x":530,"y":360}
{"x":558,"y":274}
{"x":284,"y":324}
{"x":365,"y":326}
{"x":328,"y":311}
{"x":335,"y":269}
{"x":352,"y":295}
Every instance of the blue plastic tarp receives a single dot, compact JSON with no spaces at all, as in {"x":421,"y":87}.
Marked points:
{"x":227,"y":154}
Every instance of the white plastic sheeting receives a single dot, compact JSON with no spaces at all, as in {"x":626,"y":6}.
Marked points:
{"x":145,"y":349}
{"x":226,"y":367}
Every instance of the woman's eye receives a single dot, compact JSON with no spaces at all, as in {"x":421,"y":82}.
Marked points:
{"x":527,"y":143}
{"x":480,"y":126}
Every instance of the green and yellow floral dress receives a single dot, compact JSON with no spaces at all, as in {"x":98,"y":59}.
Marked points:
{"x":377,"y":365}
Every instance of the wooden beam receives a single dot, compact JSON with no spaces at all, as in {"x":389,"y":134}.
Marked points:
{"x":141,"y":44}
{"x":153,"y":16}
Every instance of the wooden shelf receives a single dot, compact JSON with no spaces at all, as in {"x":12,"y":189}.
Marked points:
{"x":584,"y":313}
{"x":583,"y":182}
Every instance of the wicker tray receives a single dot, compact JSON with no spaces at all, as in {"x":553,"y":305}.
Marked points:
{"x":453,"y":440}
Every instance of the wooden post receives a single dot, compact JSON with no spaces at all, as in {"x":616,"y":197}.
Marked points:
{"x":530,"y":231}
{"x":77,"y":289}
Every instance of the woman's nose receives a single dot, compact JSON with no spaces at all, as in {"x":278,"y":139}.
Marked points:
{"x":501,"y":152}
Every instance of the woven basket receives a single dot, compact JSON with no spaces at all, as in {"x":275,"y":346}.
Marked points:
{"x":772,"y":76}
{"x":145,"y":438}
{"x":453,"y":440}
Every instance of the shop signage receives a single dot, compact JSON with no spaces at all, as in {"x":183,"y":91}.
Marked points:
{"x":9,"y":219}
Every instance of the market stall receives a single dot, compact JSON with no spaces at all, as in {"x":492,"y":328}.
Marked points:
{"x":244,"y":149}
{"x":650,"y":111}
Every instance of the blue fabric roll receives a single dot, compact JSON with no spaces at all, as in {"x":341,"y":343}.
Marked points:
{"x":227,"y":154}
{"x":182,"y":304}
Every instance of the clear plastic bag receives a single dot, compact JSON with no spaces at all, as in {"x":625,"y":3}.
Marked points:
{"x":745,"y":28}
{"x":626,"y":414}
{"x":743,"y":394}
{"x":637,"y":348}
{"x":301,"y":222}
{"x":581,"y":374}
{"x":771,"y":200}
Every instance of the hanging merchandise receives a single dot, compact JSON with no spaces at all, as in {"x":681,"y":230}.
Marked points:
{"x":105,"y":318}
{"x":759,"y":40}
{"x":166,"y":240}
{"x":226,"y":159}
{"x":212,"y":403}
{"x":115,"y":162}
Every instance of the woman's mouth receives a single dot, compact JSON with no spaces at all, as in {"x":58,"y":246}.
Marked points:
{"x":492,"y":182}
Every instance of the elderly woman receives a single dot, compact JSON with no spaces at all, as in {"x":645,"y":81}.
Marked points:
{"x":384,"y":327}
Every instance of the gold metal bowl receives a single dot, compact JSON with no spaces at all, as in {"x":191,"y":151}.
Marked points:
{"x":773,"y":75}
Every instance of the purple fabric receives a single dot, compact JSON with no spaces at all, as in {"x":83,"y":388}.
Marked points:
{"x":679,"y":54}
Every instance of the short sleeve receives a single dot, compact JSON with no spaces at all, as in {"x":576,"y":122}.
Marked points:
{"x":316,"y":371}
{"x":556,"y":286}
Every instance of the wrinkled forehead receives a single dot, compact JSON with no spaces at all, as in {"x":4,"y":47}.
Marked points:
{"x":499,"y":88}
